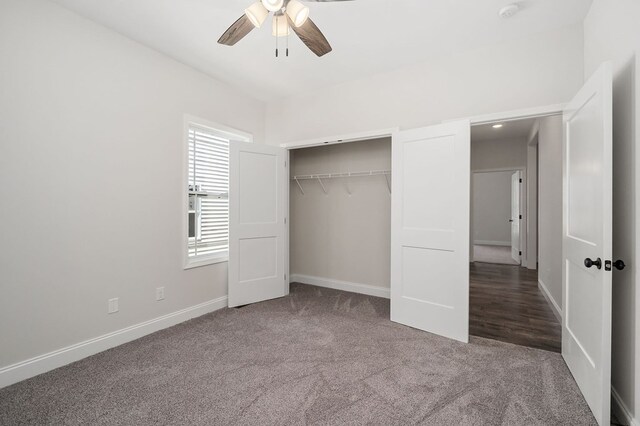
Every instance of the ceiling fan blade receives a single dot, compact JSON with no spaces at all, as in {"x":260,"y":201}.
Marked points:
{"x":237,"y":31}
{"x":311,"y":35}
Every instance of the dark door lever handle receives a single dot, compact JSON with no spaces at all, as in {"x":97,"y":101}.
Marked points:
{"x":619,"y":265}
{"x":589,"y":263}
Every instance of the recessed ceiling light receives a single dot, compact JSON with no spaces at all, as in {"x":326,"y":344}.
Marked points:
{"x":508,"y":11}
{"x":497,"y":126}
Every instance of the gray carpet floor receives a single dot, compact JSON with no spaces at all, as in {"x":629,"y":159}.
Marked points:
{"x":318,"y":356}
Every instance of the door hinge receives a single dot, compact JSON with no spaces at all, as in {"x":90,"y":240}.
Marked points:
{"x":520,"y":253}
{"x":520,"y":180}
{"x":285,"y":220}
{"x":285,"y":277}
{"x":285,"y":164}
{"x":520,"y":216}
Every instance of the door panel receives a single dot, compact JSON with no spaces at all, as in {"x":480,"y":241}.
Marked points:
{"x":257,"y":185}
{"x":587,"y":227}
{"x":430,"y":229}
{"x":259,"y":202}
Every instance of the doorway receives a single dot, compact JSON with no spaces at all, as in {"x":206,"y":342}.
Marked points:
{"x":340,"y":216}
{"x":496,"y":219}
{"x":508,"y":300}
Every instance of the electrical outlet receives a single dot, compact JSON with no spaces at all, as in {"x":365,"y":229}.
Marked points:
{"x":112,"y":306}
{"x":160,"y":293}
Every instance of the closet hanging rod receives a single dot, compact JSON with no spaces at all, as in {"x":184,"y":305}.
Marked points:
{"x":342,"y":175}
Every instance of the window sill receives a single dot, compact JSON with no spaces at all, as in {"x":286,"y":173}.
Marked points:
{"x":196,"y":263}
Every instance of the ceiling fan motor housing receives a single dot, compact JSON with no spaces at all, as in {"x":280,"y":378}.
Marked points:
{"x":273,"y":5}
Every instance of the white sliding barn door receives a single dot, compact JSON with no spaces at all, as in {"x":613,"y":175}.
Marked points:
{"x":430,"y":229}
{"x":257,"y":183}
{"x":587,"y":245}
{"x":515,"y":220}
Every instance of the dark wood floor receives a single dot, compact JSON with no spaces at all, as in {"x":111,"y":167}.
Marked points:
{"x":506,"y":304}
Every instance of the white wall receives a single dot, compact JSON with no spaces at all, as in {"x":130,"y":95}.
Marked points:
{"x":611,"y":33}
{"x":337,"y":236}
{"x":550,"y":206}
{"x":541,"y":70}
{"x":491,"y":194}
{"x":91,"y":149}
{"x":498,"y":154}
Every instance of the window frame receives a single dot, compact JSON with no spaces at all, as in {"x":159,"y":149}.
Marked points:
{"x":220,"y":130}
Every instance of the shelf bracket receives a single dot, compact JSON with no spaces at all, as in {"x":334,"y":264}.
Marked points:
{"x":299,"y":185}
{"x":322,"y":185}
{"x":386,"y":176}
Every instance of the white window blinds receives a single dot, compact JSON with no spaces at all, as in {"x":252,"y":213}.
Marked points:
{"x":208,"y":193}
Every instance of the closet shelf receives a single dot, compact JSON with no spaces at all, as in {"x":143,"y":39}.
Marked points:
{"x":342,"y":175}
{"x":319,"y":177}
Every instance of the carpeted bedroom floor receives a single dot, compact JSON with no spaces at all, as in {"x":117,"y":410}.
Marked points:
{"x":318,"y":356}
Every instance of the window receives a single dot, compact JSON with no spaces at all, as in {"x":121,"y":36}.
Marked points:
{"x":208,"y":193}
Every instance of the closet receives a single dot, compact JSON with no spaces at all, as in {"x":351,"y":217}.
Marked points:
{"x":340,"y":216}
{"x":387,"y":217}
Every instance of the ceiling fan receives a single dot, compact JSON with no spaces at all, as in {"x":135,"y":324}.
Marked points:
{"x":287,"y":15}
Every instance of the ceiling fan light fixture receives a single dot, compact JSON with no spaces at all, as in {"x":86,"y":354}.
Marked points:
{"x":298,"y":12}
{"x":273,"y":5}
{"x":256,"y":14}
{"x":280,"y":26}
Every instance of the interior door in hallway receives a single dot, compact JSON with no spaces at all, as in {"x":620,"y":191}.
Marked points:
{"x":516,"y":180}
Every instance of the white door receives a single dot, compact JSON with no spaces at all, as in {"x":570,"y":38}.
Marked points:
{"x":257,"y":183}
{"x":430,"y":229}
{"x":587,"y":247}
{"x":515,"y":216}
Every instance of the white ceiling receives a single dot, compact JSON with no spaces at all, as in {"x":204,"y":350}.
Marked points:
{"x":368,"y":36}
{"x":512,"y":130}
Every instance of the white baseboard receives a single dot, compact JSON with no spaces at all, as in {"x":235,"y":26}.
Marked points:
{"x":492,"y":243}
{"x":41,"y":364}
{"x":557,"y":310}
{"x":342,"y":285}
{"x":620,"y":409}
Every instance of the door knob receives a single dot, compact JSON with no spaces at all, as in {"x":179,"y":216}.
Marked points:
{"x":589,"y":263}
{"x":619,"y":265}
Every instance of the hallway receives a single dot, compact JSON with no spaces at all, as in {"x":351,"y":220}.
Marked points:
{"x":505,"y":304}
